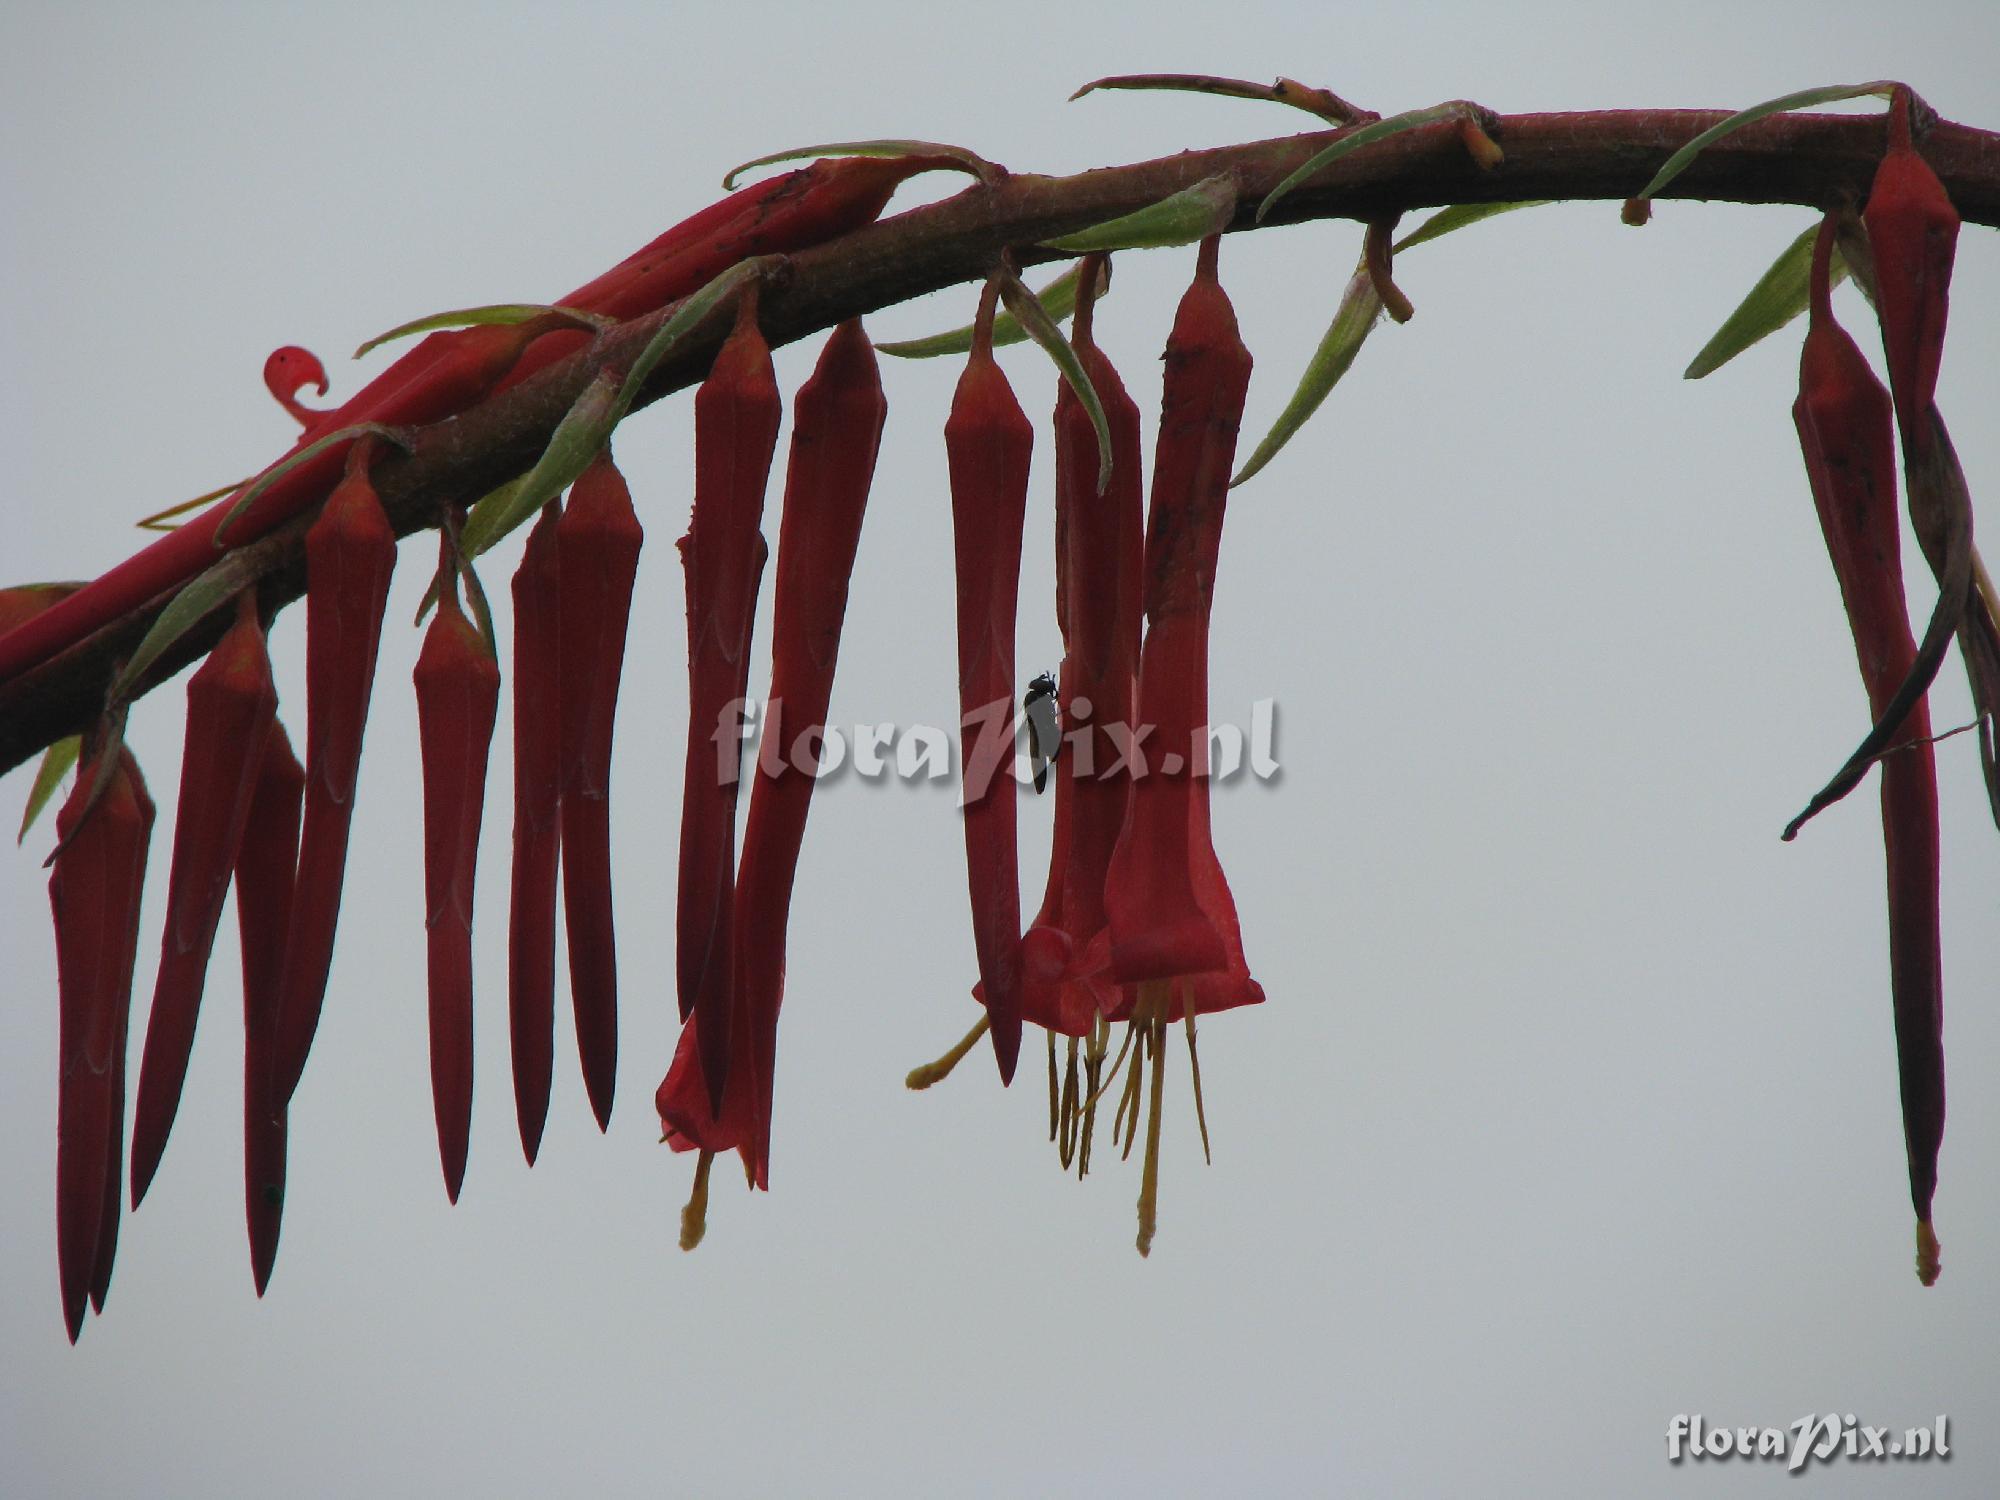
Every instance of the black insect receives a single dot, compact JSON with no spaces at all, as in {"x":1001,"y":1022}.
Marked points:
{"x":1044,"y":734}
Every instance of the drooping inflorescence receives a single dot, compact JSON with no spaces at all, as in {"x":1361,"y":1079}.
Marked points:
{"x":1137,"y":927}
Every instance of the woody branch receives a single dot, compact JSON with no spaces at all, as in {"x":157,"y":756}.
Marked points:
{"x":1606,"y":155}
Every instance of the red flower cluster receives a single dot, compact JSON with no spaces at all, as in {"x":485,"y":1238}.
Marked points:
{"x":1137,"y":925}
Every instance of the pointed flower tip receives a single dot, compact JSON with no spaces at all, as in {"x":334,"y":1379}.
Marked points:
{"x":1929,"y":1263}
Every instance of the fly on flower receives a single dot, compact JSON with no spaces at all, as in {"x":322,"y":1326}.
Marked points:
{"x":1044,"y":734}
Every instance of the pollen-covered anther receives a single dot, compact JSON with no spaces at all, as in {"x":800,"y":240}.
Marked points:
{"x":694,"y":1217}
{"x":923,"y":1076}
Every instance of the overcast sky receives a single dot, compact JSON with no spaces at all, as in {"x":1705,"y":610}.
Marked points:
{"x":1573,"y":1106}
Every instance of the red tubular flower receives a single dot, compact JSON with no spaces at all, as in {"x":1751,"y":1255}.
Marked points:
{"x":598,"y":545}
{"x":99,"y":873}
{"x":1172,"y":932}
{"x":531,"y":930}
{"x":231,"y":705}
{"x":266,"y":865}
{"x":1100,"y":544}
{"x":458,"y":698}
{"x":988,"y":444}
{"x":1843,"y":418}
{"x":1159,"y":929}
{"x":836,"y":434}
{"x":1913,"y":232}
{"x":350,"y":554}
{"x":736,"y":416}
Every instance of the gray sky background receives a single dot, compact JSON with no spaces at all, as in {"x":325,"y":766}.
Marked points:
{"x":1574,"y":1104}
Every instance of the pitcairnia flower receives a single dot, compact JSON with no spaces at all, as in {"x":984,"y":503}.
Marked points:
{"x":458,"y":698}
{"x":988,"y":443}
{"x":1173,"y":937}
{"x":736,"y":416}
{"x":836,"y":432}
{"x":1137,"y":924}
{"x":1844,"y":422}
{"x":597,"y":542}
{"x":99,"y":872}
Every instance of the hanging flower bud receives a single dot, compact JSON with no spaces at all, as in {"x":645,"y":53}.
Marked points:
{"x":266,"y":866}
{"x":231,"y":704}
{"x":458,"y":698}
{"x":531,"y":929}
{"x":1843,"y":418}
{"x":988,"y":444}
{"x":94,"y":890}
{"x":350,"y":553}
{"x":736,"y":416}
{"x":598,"y":545}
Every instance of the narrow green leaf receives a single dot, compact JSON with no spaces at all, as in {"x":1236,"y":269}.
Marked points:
{"x":482,"y":612}
{"x":968,"y":161}
{"x":589,"y":422}
{"x":1194,"y":213}
{"x":1359,"y":311}
{"x":1803,"y":99}
{"x":1058,"y":300}
{"x":583,"y":430}
{"x":1042,"y":329}
{"x":1354,"y":140}
{"x":1457,"y":216}
{"x":1779,"y":296}
{"x":277,"y":471}
{"x":56,"y":761}
{"x":1322,"y":103}
{"x":684,"y":321}
{"x":494,"y":314}
{"x":109,"y":737}
{"x":198,"y":598}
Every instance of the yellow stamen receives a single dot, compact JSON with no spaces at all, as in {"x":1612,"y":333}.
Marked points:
{"x":1055,"y":1116}
{"x":694,"y":1218}
{"x":1194,"y":1064}
{"x":1066,"y":1146}
{"x":1128,"y":1102}
{"x":923,"y":1077}
{"x":1149,"y":1178}
{"x":1093,"y":1061}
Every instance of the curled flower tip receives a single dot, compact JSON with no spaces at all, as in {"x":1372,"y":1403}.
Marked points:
{"x":1928,"y":1264}
{"x":932,"y":1072}
{"x":1379,"y":254}
{"x":1155,"y":1042}
{"x":694,"y":1217}
{"x":290,"y":370}
{"x":1638,"y":212}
